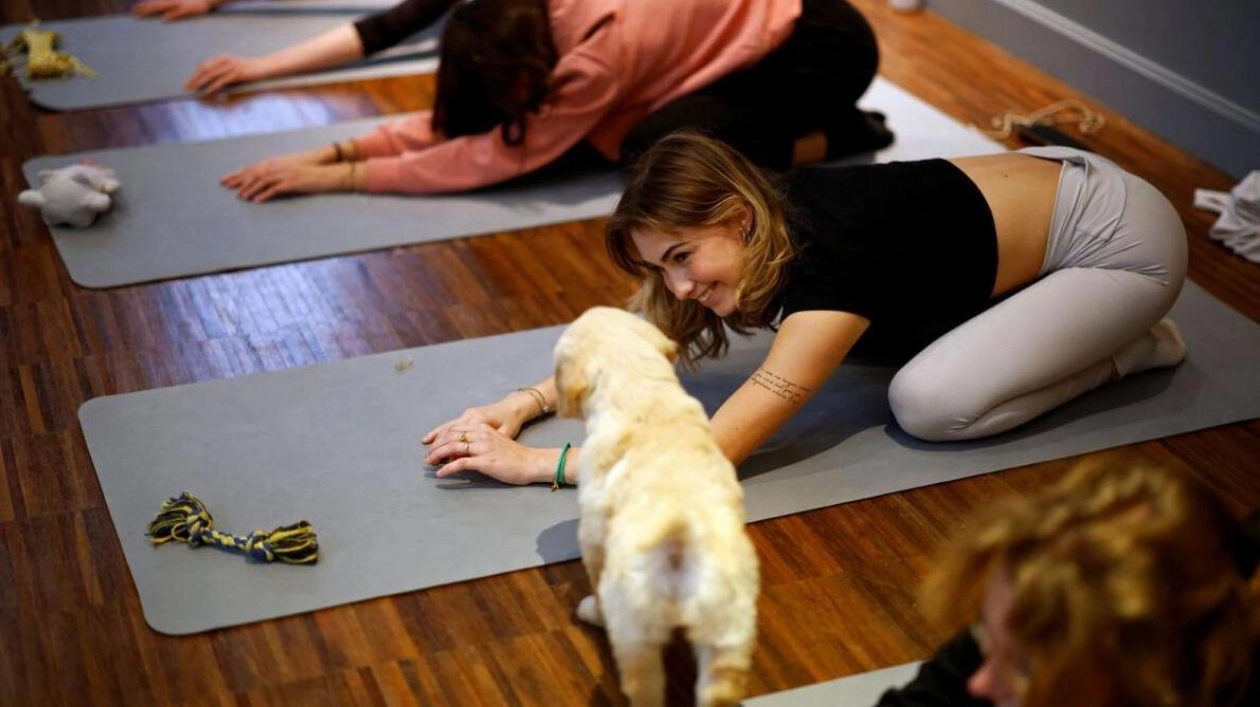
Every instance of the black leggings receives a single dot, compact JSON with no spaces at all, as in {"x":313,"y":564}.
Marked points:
{"x":810,"y":83}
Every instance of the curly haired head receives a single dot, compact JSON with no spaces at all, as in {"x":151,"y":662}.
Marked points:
{"x":1138,"y":575}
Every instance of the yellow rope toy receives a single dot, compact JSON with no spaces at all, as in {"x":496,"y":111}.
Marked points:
{"x":43,"y":61}
{"x":185,"y":519}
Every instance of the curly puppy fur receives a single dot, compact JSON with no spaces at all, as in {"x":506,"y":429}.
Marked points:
{"x":662,"y":512}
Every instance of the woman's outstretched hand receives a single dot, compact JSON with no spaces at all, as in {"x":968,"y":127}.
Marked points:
{"x":219,"y":72}
{"x":291,"y":174}
{"x":172,"y":9}
{"x":484,"y":448}
{"x":503,"y":416}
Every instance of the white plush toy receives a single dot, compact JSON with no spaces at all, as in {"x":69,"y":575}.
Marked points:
{"x":72,"y":195}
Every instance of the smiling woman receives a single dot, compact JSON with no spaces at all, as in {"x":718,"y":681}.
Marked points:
{"x":1003,"y":285}
{"x":702,"y":223}
{"x":1116,"y":587}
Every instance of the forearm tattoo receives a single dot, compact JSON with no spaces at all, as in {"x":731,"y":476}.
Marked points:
{"x":779,"y":385}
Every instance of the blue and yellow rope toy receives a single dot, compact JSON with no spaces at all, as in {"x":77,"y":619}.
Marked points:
{"x":185,"y":519}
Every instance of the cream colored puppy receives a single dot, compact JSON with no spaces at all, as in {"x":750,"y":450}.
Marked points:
{"x":662,"y":526}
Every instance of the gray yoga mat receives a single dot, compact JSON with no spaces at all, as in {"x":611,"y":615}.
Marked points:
{"x":861,"y":690}
{"x":338,"y":445}
{"x":143,"y":60}
{"x":171,"y":218}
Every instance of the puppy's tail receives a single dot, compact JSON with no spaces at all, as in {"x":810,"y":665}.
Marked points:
{"x":665,"y":548}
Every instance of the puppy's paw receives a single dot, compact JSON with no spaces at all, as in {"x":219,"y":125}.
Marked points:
{"x":588,"y":611}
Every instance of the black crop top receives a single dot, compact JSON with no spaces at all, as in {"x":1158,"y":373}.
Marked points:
{"x":911,"y":246}
{"x":384,"y":29}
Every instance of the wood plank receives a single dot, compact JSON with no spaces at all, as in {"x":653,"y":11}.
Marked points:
{"x":839,"y":583}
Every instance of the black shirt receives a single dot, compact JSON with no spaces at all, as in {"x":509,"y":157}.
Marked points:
{"x":383,"y":30}
{"x":942,"y":680}
{"x":911,"y":246}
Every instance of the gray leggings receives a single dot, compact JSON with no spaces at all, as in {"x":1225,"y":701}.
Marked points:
{"x":1114,"y":265}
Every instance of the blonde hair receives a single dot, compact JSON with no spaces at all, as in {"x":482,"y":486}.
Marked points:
{"x":687,"y":180}
{"x":1136,"y":574}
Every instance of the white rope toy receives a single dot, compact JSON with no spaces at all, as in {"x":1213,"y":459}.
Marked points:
{"x":1068,"y":110}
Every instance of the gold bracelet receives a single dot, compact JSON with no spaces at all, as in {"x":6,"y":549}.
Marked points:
{"x":538,"y":397}
{"x":354,"y":176}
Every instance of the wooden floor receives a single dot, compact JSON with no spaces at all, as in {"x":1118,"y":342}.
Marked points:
{"x":839,"y":583}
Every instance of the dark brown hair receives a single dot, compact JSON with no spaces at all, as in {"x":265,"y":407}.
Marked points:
{"x":496,"y":62}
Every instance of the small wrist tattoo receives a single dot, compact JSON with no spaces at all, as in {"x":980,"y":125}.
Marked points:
{"x":779,"y":385}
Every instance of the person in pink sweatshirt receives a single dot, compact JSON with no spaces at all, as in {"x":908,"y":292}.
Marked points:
{"x":522,"y":83}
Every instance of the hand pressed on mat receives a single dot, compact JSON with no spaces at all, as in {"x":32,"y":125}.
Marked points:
{"x":483,"y":448}
{"x":310,"y":172}
{"x":174,"y":9}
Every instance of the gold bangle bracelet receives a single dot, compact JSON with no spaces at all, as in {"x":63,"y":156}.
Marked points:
{"x":354,"y":177}
{"x":538,"y":397}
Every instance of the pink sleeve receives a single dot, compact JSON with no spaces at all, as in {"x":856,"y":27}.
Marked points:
{"x":585,"y":91}
{"x":414,"y":132}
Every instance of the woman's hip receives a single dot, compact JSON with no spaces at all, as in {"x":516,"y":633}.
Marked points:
{"x":1107,"y":218}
